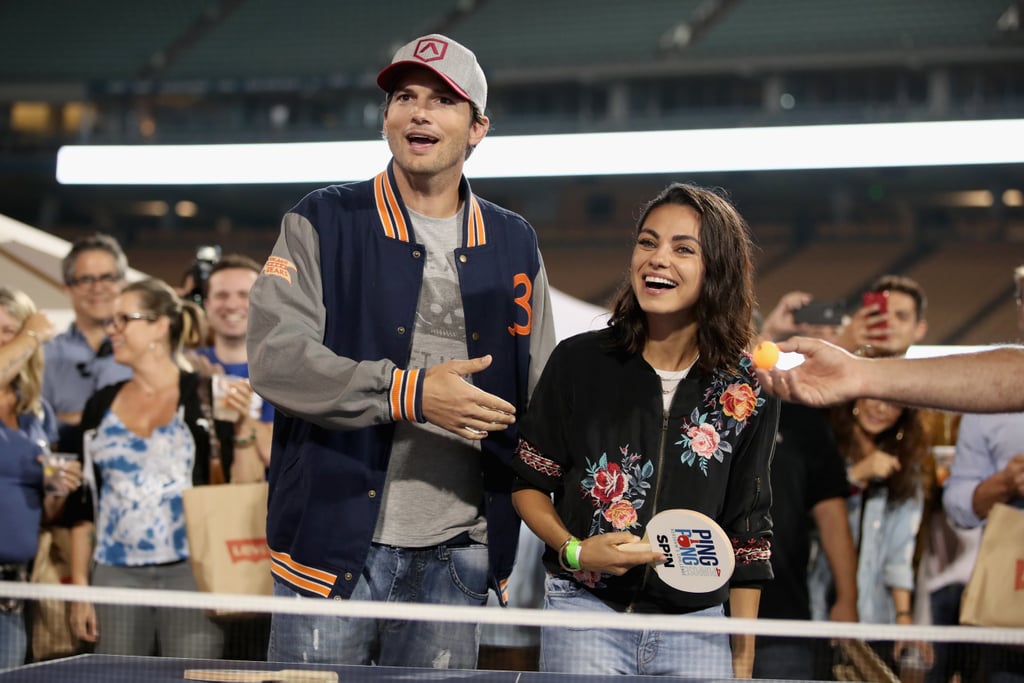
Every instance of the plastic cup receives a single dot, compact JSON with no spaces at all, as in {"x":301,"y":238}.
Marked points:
{"x":53,"y":471}
{"x":221,"y":385}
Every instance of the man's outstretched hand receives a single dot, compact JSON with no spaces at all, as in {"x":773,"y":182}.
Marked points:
{"x":452,"y":403}
{"x":828,"y":375}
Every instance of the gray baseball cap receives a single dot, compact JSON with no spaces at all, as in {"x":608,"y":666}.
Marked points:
{"x":453,"y":62}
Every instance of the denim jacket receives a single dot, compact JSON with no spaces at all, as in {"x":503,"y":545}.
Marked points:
{"x":885,"y":534}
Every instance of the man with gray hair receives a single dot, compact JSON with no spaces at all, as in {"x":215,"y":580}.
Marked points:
{"x":79,"y":360}
{"x":399,"y":326}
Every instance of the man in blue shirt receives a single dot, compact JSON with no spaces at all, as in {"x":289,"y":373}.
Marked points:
{"x":244,"y":443}
{"x":79,"y":360}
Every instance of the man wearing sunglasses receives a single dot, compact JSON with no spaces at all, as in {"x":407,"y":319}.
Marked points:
{"x":78,"y":360}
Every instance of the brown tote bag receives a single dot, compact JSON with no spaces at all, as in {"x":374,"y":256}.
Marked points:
{"x":51,"y":634}
{"x":995,"y":594}
{"x":227,"y":539}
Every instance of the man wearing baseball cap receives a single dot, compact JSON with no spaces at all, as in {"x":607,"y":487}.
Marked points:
{"x":399,"y":326}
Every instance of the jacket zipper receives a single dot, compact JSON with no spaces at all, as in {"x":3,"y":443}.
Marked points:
{"x":654,"y":507}
{"x":753,"y":504}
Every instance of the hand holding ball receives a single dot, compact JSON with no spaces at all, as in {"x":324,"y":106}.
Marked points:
{"x":766,"y":355}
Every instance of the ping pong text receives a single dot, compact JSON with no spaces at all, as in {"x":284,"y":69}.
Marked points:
{"x":692,"y":548}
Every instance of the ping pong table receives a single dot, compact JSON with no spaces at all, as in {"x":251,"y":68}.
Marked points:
{"x":92,"y":668}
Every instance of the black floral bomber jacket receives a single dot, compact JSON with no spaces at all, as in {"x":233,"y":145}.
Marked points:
{"x":597,"y":436}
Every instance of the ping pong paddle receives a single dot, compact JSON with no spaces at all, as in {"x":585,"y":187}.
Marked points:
{"x":698,"y":555}
{"x":250,"y":676}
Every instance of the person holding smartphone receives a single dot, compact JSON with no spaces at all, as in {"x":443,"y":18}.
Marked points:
{"x":890,"y":319}
{"x":798,"y":312}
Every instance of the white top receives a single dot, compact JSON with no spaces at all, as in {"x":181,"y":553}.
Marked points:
{"x":670,"y":380}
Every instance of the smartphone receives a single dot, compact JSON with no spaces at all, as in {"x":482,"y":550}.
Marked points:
{"x":820,"y":313}
{"x":880,"y":298}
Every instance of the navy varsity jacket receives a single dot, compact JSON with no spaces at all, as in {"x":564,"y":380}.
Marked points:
{"x":330,"y":332}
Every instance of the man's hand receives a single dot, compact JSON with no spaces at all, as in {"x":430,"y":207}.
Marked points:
{"x":1014,"y":473}
{"x":828,"y":375}
{"x":452,"y":403}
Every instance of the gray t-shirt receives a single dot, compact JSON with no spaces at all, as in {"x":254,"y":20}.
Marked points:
{"x":434,"y":486}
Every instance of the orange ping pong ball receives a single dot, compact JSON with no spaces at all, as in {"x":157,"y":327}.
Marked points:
{"x":766,"y":355}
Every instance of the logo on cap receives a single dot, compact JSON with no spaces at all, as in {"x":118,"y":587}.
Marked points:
{"x":430,"y":50}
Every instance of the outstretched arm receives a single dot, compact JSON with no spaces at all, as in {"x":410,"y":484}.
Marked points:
{"x":983,"y":382}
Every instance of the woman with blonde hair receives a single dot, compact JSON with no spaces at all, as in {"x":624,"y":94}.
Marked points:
{"x":27,"y":427}
{"x":146,"y":441}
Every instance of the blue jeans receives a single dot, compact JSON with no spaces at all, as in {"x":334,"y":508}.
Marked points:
{"x":448,"y":575}
{"x":590,"y":650}
{"x":13,"y":640}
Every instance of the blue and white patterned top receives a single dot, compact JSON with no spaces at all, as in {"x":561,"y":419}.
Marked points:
{"x":140,"y":518}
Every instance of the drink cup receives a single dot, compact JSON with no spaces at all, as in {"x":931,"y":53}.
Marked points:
{"x":53,"y":471}
{"x":221,"y":385}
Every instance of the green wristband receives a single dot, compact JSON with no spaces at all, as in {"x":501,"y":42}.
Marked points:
{"x":563,"y":554}
{"x":572,"y":554}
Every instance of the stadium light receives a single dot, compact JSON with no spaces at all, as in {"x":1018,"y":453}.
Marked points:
{"x":879,"y":145}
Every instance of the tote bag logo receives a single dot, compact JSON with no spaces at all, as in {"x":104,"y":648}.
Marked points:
{"x":248,"y":550}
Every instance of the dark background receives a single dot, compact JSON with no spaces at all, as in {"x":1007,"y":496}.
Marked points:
{"x":131,"y":72}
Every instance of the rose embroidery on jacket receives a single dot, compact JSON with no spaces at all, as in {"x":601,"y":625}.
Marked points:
{"x":704,"y":440}
{"x":616,"y":490}
{"x":739,"y":401}
{"x":621,"y":515}
{"x":609,"y":483}
{"x":729,"y":403}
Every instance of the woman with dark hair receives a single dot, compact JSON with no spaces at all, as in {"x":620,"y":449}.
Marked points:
{"x":661,"y":410}
{"x":889,"y":469}
{"x":146,"y":441}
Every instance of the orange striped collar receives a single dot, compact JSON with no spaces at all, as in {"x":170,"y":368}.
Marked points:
{"x":393,"y":218}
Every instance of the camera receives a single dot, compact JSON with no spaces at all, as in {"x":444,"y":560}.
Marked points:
{"x":206,"y":256}
{"x":820,"y":313}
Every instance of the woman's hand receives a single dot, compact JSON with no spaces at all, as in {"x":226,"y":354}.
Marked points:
{"x":82,"y":620}
{"x":60,"y":476}
{"x":602,"y":553}
{"x":876,"y":465}
{"x":39,"y":326}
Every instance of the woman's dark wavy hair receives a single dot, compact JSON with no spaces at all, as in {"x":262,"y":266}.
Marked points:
{"x":726,"y":299}
{"x":907,"y":440}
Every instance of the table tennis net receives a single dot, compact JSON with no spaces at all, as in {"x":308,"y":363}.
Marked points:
{"x":220,"y":631}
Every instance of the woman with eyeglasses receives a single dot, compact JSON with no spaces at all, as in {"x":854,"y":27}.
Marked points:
{"x":147,"y":442}
{"x":29,"y":493}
